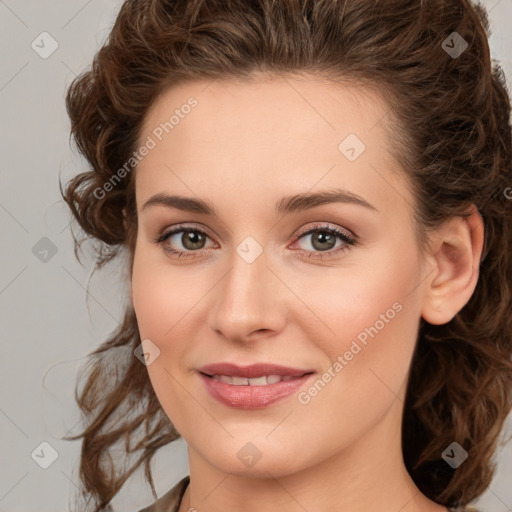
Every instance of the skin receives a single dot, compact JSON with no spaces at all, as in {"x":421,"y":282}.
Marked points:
{"x":241,"y":149}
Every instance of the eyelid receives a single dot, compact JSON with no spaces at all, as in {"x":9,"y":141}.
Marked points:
{"x":321,"y":225}
{"x":181,"y":227}
{"x":327,"y":226}
{"x":348,"y":238}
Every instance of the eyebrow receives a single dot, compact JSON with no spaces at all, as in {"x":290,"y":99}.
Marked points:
{"x":288,"y":204}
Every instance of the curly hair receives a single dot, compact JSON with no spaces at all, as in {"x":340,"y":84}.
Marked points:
{"x":450,"y":116}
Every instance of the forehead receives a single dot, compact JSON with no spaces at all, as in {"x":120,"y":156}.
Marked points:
{"x":273,"y":133}
{"x":296,"y":105}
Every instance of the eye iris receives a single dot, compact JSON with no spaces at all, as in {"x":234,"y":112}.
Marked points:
{"x":321,"y":240}
{"x":323,"y":237}
{"x":190,"y":239}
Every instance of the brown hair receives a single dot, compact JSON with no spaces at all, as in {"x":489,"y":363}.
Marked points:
{"x":450,"y":116}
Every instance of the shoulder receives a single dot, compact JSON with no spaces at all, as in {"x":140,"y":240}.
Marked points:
{"x":171,"y":500}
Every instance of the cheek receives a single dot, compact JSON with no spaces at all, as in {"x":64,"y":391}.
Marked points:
{"x":372,"y":318}
{"x":149,"y":302}
{"x":160,"y":302}
{"x":160,"y":295}
{"x":355,"y":297}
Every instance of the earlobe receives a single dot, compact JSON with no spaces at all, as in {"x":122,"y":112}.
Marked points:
{"x":456,"y":251}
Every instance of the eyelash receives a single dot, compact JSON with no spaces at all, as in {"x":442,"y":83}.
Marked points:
{"x":348,"y":239}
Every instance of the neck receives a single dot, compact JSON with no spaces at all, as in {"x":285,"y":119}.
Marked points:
{"x":367,"y":475}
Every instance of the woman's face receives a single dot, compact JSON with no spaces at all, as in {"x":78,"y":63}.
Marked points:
{"x":250,"y":286}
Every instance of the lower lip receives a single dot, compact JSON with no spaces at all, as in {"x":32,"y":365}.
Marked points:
{"x":252,"y":397}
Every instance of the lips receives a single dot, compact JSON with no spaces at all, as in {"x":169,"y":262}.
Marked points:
{"x":252,"y":387}
{"x":256,"y":381}
{"x":252,"y":371}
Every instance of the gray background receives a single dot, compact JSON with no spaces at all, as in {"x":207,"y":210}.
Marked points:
{"x":48,"y":321}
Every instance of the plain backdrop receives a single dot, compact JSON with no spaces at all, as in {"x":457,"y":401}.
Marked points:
{"x":49,"y":323}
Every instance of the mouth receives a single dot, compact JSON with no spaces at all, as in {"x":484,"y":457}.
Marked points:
{"x":242,"y":374}
{"x":252,"y":387}
{"x":264,"y":380}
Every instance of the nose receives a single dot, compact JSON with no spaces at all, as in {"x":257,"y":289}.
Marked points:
{"x":249,"y":301}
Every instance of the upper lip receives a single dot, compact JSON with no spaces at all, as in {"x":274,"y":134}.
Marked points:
{"x":251,"y":371}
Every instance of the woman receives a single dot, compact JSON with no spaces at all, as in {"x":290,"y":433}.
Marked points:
{"x":313,"y":198}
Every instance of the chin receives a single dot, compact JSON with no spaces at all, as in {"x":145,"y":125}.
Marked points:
{"x":255,"y":460}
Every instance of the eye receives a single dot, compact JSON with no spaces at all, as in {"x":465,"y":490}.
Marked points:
{"x":191,"y":238}
{"x":323,"y":239}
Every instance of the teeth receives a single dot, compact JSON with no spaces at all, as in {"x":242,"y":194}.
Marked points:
{"x":257,"y":381}
{"x":240,"y":381}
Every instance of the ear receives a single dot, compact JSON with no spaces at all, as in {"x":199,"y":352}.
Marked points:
{"x":456,"y":249}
